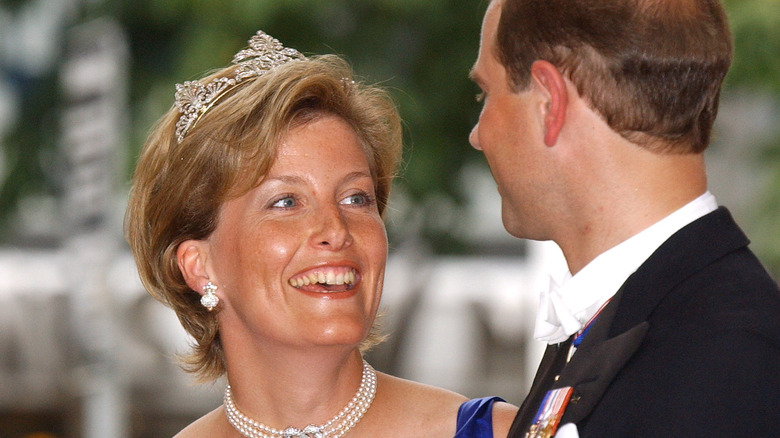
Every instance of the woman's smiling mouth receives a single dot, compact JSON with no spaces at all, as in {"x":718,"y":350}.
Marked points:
{"x":326,"y":279}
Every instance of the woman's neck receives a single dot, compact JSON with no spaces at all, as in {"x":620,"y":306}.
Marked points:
{"x":295,"y":388}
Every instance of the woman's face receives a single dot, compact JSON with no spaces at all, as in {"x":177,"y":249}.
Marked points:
{"x":299,"y":260}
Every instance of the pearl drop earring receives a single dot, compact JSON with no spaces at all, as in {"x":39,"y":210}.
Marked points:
{"x":209,"y":299}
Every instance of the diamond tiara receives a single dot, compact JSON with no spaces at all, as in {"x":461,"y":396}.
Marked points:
{"x":194,"y":98}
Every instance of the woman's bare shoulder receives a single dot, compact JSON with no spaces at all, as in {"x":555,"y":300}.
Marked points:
{"x":432,"y":409}
{"x":413,"y":409}
{"x":417,"y":393}
{"x":211,"y":424}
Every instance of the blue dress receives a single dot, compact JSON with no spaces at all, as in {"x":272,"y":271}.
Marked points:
{"x":475,"y":418}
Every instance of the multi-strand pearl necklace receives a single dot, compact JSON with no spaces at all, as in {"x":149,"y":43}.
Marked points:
{"x":336,"y":427}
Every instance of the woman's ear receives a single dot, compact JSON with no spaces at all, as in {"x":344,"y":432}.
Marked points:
{"x":551,"y":82}
{"x":192,"y":258}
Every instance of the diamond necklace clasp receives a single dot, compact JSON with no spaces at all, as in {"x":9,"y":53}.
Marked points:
{"x":310,"y":431}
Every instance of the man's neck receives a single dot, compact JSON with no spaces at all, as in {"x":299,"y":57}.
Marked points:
{"x":627,"y":209}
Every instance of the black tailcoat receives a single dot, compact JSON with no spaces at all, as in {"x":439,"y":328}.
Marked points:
{"x":688,"y":347}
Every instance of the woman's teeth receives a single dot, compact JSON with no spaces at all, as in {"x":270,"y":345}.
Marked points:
{"x":324,"y":277}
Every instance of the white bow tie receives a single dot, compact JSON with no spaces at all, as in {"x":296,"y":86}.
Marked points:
{"x":555,"y":322}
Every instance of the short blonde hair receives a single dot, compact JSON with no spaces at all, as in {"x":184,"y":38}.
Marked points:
{"x":178,"y":188}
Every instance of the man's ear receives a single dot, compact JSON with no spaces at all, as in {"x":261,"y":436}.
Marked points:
{"x":192,"y":258}
{"x":548,"y":79}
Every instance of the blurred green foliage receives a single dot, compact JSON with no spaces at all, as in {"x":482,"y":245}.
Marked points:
{"x":420,"y":50}
{"x":756,"y":29}
{"x":755,"y":25}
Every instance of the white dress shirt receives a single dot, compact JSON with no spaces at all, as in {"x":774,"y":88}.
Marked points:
{"x":573,"y":300}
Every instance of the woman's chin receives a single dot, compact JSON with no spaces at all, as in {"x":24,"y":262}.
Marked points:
{"x":344,"y":334}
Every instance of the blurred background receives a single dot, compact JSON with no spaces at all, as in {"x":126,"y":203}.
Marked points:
{"x":84,"y":352}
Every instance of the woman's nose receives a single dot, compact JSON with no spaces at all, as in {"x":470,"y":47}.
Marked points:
{"x":332,"y":231}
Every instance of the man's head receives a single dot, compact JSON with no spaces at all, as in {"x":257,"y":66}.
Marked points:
{"x":595,"y":113}
{"x":652,"y":68}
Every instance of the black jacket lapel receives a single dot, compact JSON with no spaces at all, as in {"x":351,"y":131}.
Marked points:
{"x":593,"y":368}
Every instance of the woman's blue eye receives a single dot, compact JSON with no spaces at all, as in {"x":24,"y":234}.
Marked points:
{"x":286,"y":202}
{"x":357,"y":199}
{"x":354,"y":200}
